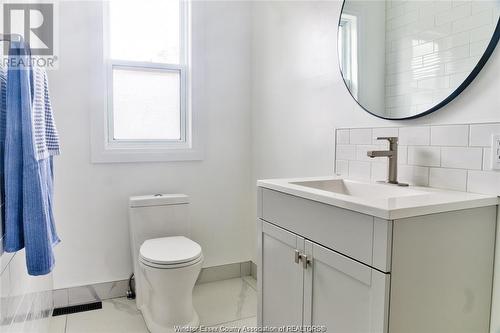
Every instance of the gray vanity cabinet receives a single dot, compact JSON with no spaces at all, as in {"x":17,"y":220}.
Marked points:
{"x":342,"y":294}
{"x":319,"y":264}
{"x":284,"y":279}
{"x":304,"y":283}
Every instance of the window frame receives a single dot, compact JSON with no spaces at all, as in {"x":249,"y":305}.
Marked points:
{"x":348,"y":56}
{"x":106,"y":149}
{"x":145,"y":67}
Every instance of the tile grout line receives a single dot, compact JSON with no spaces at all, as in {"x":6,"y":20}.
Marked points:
{"x":232,"y":321}
{"x":8,"y":262}
{"x":466,"y":180}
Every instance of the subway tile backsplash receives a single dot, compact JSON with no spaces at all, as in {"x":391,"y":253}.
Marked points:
{"x":360,"y":136}
{"x":452,"y":135}
{"x":483,"y":182}
{"x":480,"y":135}
{"x":415,"y":136}
{"x":462,"y":158}
{"x":452,"y":179}
{"x":424,"y":156}
{"x":454,"y":156}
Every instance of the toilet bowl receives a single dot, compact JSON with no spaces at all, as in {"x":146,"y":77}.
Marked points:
{"x":169,"y":268}
{"x":166,"y":262}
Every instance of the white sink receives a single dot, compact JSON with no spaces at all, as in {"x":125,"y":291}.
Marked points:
{"x":359,"y":189}
{"x":385,"y":201}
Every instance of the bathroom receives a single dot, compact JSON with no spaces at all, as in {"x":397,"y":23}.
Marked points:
{"x":272,"y":100}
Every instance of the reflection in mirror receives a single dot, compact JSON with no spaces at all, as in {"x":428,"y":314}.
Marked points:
{"x":401,"y":59}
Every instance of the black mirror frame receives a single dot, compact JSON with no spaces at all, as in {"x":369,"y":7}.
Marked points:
{"x":484,"y":58}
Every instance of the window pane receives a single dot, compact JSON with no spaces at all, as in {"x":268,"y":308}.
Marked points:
{"x":145,"y":30}
{"x":146,"y":105}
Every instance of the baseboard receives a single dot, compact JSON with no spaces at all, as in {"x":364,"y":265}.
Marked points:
{"x":89,"y":293}
{"x":224,"y":272}
{"x":101,"y":291}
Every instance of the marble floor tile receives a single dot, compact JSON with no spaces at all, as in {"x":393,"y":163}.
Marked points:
{"x":224,"y":301}
{"x":57,"y":324}
{"x":247,"y":322}
{"x":231,"y":303}
{"x":117,"y":316}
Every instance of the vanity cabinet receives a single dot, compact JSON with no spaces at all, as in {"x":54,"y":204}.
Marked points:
{"x":319,"y":264}
{"x":307,"y":284}
{"x":342,"y":294}
{"x":284,"y":278}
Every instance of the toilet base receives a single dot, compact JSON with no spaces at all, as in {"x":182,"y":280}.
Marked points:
{"x":153,"y":327}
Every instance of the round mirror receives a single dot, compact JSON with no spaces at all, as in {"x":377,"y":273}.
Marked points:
{"x":404,"y":59}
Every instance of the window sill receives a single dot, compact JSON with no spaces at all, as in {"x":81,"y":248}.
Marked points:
{"x":120,"y":155}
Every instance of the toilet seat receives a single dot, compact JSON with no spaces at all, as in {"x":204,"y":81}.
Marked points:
{"x":171,"y":266}
{"x":170,"y":252}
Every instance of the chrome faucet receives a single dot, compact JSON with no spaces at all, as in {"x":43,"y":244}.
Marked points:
{"x":392,"y":154}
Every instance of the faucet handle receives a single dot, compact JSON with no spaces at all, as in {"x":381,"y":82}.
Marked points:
{"x":391,"y":139}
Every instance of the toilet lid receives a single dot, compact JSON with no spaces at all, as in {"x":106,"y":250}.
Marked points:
{"x":170,"y":250}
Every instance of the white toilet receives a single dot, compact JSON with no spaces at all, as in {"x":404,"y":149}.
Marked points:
{"x":166,"y":262}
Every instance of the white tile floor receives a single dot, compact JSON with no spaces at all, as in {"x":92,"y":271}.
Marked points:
{"x":231,"y":303}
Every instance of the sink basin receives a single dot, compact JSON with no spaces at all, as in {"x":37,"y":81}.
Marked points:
{"x":382,"y":200}
{"x":385,"y":201}
{"x":359,"y":189}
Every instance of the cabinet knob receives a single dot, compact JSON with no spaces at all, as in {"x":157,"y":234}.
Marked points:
{"x":297,"y":256}
{"x":305,"y":261}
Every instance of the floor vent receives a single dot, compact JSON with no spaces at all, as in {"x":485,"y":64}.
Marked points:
{"x":76,"y":308}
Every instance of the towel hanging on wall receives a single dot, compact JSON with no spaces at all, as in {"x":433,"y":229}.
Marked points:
{"x":31,"y":141}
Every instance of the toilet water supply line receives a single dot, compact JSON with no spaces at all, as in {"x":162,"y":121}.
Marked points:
{"x":131,"y":287}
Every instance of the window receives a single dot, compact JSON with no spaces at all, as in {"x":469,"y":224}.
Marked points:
{"x":348,"y":51}
{"x":146,"y":104}
{"x":147,"y":61}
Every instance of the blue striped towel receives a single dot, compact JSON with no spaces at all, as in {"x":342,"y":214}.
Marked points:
{"x":29,"y":221}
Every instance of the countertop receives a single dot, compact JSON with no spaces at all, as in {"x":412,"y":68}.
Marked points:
{"x":428,"y":201}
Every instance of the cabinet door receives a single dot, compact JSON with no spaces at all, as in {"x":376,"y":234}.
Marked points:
{"x":282,"y":277}
{"x":344,"y":295}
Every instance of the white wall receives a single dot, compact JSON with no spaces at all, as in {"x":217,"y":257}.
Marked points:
{"x":91,"y":199}
{"x":296,"y":86}
{"x":299,"y":97}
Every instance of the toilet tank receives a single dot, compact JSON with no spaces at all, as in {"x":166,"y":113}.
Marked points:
{"x":154,"y":216}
